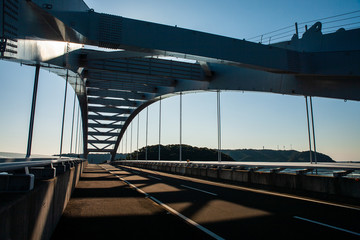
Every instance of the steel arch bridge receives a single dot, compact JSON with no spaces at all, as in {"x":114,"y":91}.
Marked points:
{"x":119,"y":66}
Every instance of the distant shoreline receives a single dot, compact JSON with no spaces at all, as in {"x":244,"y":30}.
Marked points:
{"x":103,"y":157}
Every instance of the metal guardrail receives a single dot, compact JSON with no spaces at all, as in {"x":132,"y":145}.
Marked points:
{"x":335,"y":169}
{"x":336,"y":165}
{"x":329,"y":179}
{"x":19,"y":174}
{"x":12,"y":164}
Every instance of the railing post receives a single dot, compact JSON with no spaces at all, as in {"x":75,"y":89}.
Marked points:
{"x":32,"y":115}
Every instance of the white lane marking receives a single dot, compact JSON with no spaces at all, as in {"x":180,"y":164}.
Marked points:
{"x":196,"y":189}
{"x":131,"y":185}
{"x":255,"y":190}
{"x":169,"y":209}
{"x":154,"y":177}
{"x":327,"y":225}
{"x":188,"y":220}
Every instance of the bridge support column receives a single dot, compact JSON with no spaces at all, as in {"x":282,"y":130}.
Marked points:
{"x":131,"y":136}
{"x":180,"y":145}
{"x":64,"y":108}
{"x":122,"y":146}
{"x":147,"y":133}
{"x":219,"y":125}
{"x":73,"y":117}
{"x":137,"y":137}
{"x":126,"y":143}
{"x":313,"y":127}
{"x":160,"y":129}
{"x":308,"y":126}
{"x":33,"y":106}
{"x":77,"y":131}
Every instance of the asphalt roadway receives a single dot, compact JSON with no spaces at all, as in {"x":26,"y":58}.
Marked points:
{"x":131,"y":203}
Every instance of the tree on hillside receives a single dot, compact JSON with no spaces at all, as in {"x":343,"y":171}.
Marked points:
{"x":171,"y":153}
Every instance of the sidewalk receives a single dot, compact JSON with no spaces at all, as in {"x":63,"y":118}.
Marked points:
{"x":103,"y":207}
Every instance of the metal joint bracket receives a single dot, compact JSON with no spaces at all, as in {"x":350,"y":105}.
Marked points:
{"x":60,"y":168}
{"x":43,"y":173}
{"x":254,"y":169}
{"x":16,"y":182}
{"x":277,"y":170}
{"x":3,"y":45}
{"x":205,"y":67}
{"x":69,"y":165}
{"x":342,"y":173}
{"x":303,"y":171}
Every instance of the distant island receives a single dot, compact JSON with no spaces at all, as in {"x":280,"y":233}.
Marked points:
{"x":171,"y":153}
{"x":266,"y":155}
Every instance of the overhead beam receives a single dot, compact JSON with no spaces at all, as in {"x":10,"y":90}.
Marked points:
{"x":110,"y":110}
{"x":108,"y":134}
{"x":107,"y":118}
{"x":97,"y":125}
{"x":149,"y":67}
{"x":136,"y":35}
{"x":107,"y":85}
{"x":100,"y":150}
{"x":133,"y":78}
{"x":116,"y":94}
{"x":101,"y":141}
{"x":113,"y":102}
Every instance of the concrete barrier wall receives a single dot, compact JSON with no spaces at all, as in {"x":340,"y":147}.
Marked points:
{"x":35,"y":214}
{"x":341,"y":186}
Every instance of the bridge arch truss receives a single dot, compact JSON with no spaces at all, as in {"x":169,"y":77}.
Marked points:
{"x":119,"y":66}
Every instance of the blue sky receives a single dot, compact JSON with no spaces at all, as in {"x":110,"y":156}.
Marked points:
{"x":249,"y":120}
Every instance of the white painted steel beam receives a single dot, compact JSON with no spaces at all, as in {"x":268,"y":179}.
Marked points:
{"x":107,"y":118}
{"x":113,"y":102}
{"x":110,"y":110}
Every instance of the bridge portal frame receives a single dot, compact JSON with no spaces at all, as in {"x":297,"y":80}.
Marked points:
{"x":144,"y":65}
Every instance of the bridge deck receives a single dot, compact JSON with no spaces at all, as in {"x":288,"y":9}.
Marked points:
{"x":102,"y":207}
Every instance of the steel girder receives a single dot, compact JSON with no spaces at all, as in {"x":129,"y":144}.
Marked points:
{"x":112,"y":102}
{"x":114,"y":86}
